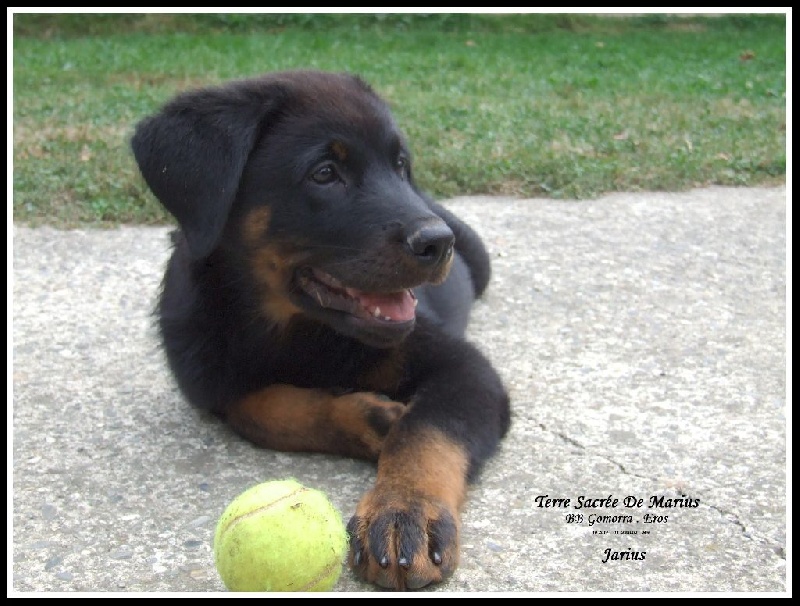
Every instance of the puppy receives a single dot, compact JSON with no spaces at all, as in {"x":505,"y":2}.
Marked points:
{"x":316,"y":300}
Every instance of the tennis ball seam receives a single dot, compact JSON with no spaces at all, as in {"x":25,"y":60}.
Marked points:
{"x":240,"y":518}
{"x":322,"y":576}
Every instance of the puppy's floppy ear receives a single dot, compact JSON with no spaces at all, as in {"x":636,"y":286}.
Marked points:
{"x":192,"y":154}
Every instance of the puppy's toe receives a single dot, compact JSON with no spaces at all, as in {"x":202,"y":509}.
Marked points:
{"x":402,"y":541}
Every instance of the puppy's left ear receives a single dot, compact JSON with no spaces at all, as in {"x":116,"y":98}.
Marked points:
{"x":192,"y":154}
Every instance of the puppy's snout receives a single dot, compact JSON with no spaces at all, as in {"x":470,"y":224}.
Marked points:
{"x":431,"y":244}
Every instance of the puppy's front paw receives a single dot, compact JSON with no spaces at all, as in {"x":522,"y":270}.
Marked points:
{"x":402,"y":539}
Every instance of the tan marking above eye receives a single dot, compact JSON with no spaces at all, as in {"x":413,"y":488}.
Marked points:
{"x":338,"y":148}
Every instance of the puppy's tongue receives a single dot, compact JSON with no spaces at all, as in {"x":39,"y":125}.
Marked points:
{"x":395,"y":306}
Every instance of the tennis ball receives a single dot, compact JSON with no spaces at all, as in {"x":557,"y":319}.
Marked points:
{"x":280,"y":536}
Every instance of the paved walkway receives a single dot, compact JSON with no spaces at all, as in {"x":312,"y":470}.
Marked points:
{"x":642,"y":338}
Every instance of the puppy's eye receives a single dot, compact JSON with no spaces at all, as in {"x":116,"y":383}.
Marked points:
{"x":325,"y":174}
{"x":401,"y":165}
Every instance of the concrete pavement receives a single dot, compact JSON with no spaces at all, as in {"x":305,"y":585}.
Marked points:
{"x":643,"y":341}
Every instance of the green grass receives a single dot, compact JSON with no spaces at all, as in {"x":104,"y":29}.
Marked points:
{"x":565,"y":106}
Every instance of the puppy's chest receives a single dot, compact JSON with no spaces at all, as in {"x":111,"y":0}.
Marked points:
{"x":338,"y":363}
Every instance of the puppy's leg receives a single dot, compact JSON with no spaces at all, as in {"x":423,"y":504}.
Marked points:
{"x":283,"y":417}
{"x":405,"y":532}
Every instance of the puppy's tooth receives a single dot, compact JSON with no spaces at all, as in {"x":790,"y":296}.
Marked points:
{"x":416,"y":302}
{"x":377,"y":312}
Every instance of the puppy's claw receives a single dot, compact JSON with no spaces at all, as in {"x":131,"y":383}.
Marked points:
{"x":356,"y":546}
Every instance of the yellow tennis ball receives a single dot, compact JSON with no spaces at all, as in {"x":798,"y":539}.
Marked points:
{"x":280,"y":536}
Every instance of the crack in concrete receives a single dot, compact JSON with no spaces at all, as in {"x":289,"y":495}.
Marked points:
{"x":779,"y":550}
{"x":574,"y":442}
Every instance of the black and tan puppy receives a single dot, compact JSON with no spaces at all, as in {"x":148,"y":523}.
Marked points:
{"x":317,"y":300}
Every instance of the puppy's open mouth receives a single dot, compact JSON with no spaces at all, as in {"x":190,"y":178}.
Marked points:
{"x":397,"y":307}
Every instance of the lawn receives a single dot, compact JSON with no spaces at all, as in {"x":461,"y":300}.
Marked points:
{"x":563,"y":106}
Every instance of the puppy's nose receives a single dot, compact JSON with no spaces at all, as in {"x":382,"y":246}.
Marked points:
{"x":431,"y":244}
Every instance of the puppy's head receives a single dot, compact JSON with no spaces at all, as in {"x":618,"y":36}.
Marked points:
{"x":305,"y":180}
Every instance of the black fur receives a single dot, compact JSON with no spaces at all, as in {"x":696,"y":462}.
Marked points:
{"x":288,"y":189}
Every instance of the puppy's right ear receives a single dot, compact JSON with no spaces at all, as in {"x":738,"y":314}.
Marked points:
{"x":192,"y":154}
